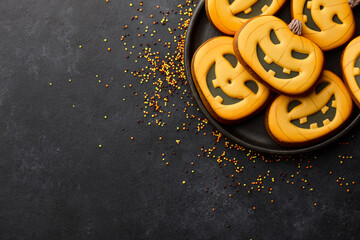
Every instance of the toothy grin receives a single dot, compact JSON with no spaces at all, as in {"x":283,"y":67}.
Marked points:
{"x":357,"y":71}
{"x":273,"y":68}
{"x":216,"y":91}
{"x":307,"y":18}
{"x":320,"y":118}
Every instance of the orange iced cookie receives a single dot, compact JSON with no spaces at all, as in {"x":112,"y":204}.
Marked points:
{"x":229,"y":15}
{"x":275,"y":56}
{"x":227,"y":90}
{"x":297,"y":121}
{"x":328,"y":23}
{"x":350,"y":66}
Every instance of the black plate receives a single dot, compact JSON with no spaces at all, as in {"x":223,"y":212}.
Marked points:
{"x":252,"y":133}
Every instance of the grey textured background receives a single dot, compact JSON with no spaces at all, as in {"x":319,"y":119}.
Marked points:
{"x":56,"y":183}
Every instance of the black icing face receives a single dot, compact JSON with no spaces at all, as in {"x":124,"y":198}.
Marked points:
{"x":268,"y":64}
{"x":318,"y":119}
{"x":258,"y":8}
{"x":221,"y":77}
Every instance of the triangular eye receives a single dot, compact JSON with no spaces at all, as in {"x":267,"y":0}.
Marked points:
{"x":293,"y":104}
{"x":274,"y":38}
{"x":231,"y":59}
{"x":252,"y":86}
{"x":321,"y":86}
{"x":336,"y":19}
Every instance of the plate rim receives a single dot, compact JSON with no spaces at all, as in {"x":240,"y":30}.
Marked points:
{"x":217,"y":125}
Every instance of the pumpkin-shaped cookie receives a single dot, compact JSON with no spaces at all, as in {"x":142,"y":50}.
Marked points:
{"x":304,"y":120}
{"x":229,"y":15}
{"x":288,"y":63}
{"x":350,"y":66}
{"x":227,"y":90}
{"x":328,"y":23}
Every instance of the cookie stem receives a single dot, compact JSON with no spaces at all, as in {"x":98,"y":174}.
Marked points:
{"x":296,"y":25}
{"x":353,"y":3}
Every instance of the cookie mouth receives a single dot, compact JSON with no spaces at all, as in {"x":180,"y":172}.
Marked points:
{"x":213,"y":84}
{"x":272,"y":68}
{"x":309,"y":21}
{"x":318,"y":119}
{"x":257,"y":9}
{"x":307,"y":17}
{"x":357,"y":71}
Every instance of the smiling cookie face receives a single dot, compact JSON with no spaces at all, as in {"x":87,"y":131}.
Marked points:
{"x":329,"y":23}
{"x":288,"y":63}
{"x":350,"y":66}
{"x":228,"y":91}
{"x":229,"y":15}
{"x":305,"y":120}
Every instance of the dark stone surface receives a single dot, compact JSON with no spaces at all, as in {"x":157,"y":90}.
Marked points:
{"x":56,"y":183}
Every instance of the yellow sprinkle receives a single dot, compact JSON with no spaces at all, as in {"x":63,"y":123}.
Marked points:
{"x":183,"y":182}
{"x":100,"y":146}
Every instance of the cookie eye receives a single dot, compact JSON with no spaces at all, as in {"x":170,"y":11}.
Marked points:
{"x":321,"y":86}
{"x":321,"y":7}
{"x":274,"y":39}
{"x":231,"y":59}
{"x":252,"y":86}
{"x":298,"y":55}
{"x":336,"y":19}
{"x":293,"y":104}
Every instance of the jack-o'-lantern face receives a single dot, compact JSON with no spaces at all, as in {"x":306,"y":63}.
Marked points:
{"x":229,"y":15}
{"x":329,"y":23}
{"x":350,"y":65}
{"x":305,"y":120}
{"x":288,"y":63}
{"x":228,"y":92}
